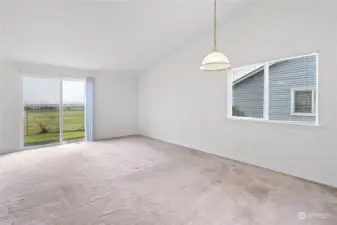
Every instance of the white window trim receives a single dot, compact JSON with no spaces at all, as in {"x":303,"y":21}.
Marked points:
{"x":313,"y":102}
{"x":230,"y":93}
{"x":266,"y":96}
{"x":266,"y":91}
{"x":285,"y":122}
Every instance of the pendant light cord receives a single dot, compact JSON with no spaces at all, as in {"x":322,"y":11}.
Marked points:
{"x":214,"y":29}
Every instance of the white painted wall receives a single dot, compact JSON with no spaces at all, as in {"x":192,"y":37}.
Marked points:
{"x":9,"y":108}
{"x":180,"y":104}
{"x":115,"y":104}
{"x":115,"y":101}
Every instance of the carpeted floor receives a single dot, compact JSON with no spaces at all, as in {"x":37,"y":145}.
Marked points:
{"x":138,"y":180}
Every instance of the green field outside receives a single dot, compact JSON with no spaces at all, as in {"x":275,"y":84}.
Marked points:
{"x":42,"y":126}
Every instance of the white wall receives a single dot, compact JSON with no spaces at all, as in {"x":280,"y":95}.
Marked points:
{"x":115,"y":101}
{"x":116,"y":105}
{"x":180,"y":104}
{"x":9,"y":108}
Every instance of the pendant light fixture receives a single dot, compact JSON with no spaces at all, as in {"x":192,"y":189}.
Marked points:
{"x":215,"y":61}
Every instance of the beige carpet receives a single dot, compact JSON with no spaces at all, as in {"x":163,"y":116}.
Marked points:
{"x":138,"y":180}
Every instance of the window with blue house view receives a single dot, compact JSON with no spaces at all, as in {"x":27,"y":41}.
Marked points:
{"x":278,"y":90}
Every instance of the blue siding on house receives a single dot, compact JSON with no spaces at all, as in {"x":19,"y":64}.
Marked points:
{"x":248,"y":96}
{"x":285,"y":76}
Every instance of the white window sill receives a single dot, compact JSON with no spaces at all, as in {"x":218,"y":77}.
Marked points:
{"x":272,"y":121}
{"x":303,"y":114}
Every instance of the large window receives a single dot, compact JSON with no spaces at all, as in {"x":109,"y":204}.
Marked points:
{"x":282,"y":90}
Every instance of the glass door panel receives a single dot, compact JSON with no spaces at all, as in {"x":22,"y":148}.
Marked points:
{"x":73,"y":108}
{"x":41,"y":99}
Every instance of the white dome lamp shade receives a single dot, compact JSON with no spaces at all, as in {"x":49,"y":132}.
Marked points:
{"x":215,"y":61}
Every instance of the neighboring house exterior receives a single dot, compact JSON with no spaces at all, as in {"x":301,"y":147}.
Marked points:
{"x":292,"y":86}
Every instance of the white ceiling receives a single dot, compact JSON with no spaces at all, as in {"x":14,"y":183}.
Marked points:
{"x":102,"y":34}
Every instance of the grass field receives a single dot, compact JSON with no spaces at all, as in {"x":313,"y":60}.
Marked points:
{"x":42,"y":126}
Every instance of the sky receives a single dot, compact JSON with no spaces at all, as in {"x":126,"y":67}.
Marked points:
{"x":47,"y":91}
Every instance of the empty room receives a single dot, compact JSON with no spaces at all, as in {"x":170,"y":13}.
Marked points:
{"x":168,"y":112}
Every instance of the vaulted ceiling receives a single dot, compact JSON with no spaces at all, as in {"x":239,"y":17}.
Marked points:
{"x":103,"y":34}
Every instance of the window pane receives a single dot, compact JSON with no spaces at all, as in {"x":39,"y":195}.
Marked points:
{"x":285,"y":76}
{"x":303,"y":102}
{"x":248,"y":91}
{"x":73,"y":110}
{"x":41,"y":111}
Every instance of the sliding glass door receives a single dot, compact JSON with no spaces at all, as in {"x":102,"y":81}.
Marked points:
{"x":54,"y":110}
